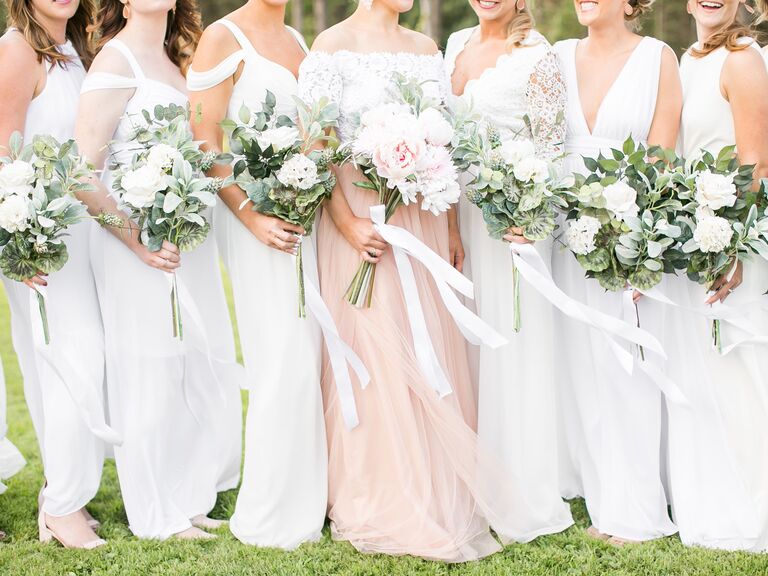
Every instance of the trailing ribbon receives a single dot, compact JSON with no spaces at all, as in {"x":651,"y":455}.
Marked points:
{"x":341,"y":356}
{"x":447,"y":279}
{"x":533,"y":269}
{"x":89,"y":405}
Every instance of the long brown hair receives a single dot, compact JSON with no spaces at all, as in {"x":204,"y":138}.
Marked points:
{"x":729,"y":36}
{"x":21,"y":16}
{"x":182,"y":33}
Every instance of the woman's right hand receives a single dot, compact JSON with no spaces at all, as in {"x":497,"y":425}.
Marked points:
{"x":363,"y":237}
{"x":167,"y":259}
{"x":274,"y":232}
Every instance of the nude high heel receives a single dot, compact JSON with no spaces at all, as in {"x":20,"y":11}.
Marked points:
{"x":46,"y":535}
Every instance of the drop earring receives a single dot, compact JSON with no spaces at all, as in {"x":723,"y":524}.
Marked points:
{"x":628,"y":9}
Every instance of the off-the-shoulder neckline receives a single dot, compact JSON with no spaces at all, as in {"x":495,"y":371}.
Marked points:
{"x":376,"y":53}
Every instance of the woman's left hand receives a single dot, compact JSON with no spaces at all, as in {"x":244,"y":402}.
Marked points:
{"x":515,"y":236}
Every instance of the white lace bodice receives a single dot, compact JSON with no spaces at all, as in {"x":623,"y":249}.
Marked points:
{"x":359,"y":81}
{"x":627,"y":109}
{"x":707,"y":119}
{"x":526,"y":82}
{"x":259,"y":75}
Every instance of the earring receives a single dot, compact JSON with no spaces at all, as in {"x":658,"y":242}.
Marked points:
{"x":629,"y":9}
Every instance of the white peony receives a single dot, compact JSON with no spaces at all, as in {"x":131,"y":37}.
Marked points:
{"x":14,"y":214}
{"x":715,"y":191}
{"x":298,"y":172}
{"x":581,"y":234}
{"x":713,"y":234}
{"x":162,"y":157}
{"x":382,"y":116}
{"x":437,"y":195}
{"x":437,"y":130}
{"x":531,"y":169}
{"x":16,"y":178}
{"x":515,"y":151}
{"x":279,"y":138}
{"x":140,"y":186}
{"x":621,"y":199}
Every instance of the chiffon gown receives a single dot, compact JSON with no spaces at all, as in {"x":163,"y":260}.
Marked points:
{"x":718,"y":446}
{"x":64,"y":380}
{"x":175,"y":403}
{"x":283,"y":496}
{"x":11,"y":460}
{"x":411,"y":478}
{"x":517,"y":417}
{"x":611,"y":421}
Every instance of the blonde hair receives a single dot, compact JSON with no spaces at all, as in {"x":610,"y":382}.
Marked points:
{"x":639,"y":9}
{"x":521,"y":25}
{"x":729,"y":36}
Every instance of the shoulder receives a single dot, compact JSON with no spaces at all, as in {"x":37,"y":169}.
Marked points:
{"x":335,"y":38}
{"x":111,"y":61}
{"x":419,"y":43}
{"x":216,"y":44}
{"x":746,"y":63}
{"x":458,"y":38}
{"x":15,"y":51}
{"x":564,"y":47}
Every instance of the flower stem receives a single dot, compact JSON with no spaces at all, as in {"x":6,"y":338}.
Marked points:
{"x":300,"y":275}
{"x":178,"y":331}
{"x":717,"y":339}
{"x":517,"y":323}
{"x":640,"y":348}
{"x":43,"y":317}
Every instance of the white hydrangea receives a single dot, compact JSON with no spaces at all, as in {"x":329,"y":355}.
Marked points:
{"x":298,"y":172}
{"x":581,"y":234}
{"x":14,"y":214}
{"x":16,"y":178}
{"x":621,"y":199}
{"x":715,"y":191}
{"x":531,"y":169}
{"x":713,"y":234}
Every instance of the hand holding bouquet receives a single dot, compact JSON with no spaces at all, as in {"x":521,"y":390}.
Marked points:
{"x":38,"y":183}
{"x":284,"y":166}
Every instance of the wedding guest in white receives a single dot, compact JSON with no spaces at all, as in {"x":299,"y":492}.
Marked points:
{"x":505,"y":70}
{"x":43,"y":57}
{"x":175,"y":404}
{"x":718,"y":446}
{"x":283,"y":496}
{"x":619,"y":84}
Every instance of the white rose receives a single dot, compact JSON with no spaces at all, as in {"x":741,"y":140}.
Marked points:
{"x":279,"y":138}
{"x":621,"y":199}
{"x":437,"y":130}
{"x":140,"y":186}
{"x":581,"y":234}
{"x":713,"y":234}
{"x":715,"y":191}
{"x":16,"y":178}
{"x":531,"y":169}
{"x":515,"y":151}
{"x":14,"y":214}
{"x":298,"y":172}
{"x":162,"y":157}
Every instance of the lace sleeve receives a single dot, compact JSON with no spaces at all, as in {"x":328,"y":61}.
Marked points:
{"x":318,"y":77}
{"x":546,"y":98}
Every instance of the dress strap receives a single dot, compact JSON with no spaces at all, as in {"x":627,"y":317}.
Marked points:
{"x":121,"y":47}
{"x":299,"y":39}
{"x":199,"y":81}
{"x":239,"y":35}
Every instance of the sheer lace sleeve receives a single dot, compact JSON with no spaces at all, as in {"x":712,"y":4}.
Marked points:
{"x":319,"y":77}
{"x":546,"y":98}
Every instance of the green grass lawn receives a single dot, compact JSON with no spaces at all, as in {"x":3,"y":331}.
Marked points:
{"x":572,"y":553}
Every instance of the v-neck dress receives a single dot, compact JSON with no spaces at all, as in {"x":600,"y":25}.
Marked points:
{"x":611,"y":420}
{"x":283,"y":496}
{"x":175,"y":404}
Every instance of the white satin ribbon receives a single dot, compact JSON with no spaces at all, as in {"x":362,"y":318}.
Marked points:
{"x":341,"y":356}
{"x":447,"y":278}
{"x":88,"y":403}
{"x":533,"y":269}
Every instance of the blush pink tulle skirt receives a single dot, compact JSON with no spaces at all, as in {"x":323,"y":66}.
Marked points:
{"x":410,"y":479}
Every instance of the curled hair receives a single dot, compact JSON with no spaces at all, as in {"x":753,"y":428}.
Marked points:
{"x":181,"y":36}
{"x":21,"y":15}
{"x":639,"y":9}
{"x":519,"y":28}
{"x":729,"y":36}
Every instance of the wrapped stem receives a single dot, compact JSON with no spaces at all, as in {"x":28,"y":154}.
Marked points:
{"x":300,"y":278}
{"x":178,"y":331}
{"x":43,"y":317}
{"x":516,"y":323}
{"x":717,"y":339}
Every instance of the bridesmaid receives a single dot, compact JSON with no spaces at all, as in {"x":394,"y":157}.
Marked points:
{"x":42,"y":65}
{"x":508,"y":72}
{"x":282,"y":500}
{"x":718,"y":447}
{"x":11,"y":460}
{"x":619,"y":84}
{"x":175,"y":404}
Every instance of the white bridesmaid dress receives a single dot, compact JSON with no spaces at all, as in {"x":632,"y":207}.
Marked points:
{"x":176,"y":404}
{"x":718,"y":446}
{"x":611,"y":421}
{"x":517,"y":418}
{"x":64,"y":381}
{"x":11,"y":460}
{"x":283,"y":496}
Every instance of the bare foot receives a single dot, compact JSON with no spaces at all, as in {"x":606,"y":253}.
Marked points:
{"x":619,"y":542}
{"x":202,"y":521}
{"x":72,"y":531}
{"x":596,"y":534}
{"x":194,"y":533}
{"x":92,"y":522}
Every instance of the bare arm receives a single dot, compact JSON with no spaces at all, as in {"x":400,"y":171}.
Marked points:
{"x":669,"y":104}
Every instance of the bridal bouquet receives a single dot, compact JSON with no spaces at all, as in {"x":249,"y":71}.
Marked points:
{"x":511,"y":185}
{"x":722,"y":220}
{"x":38,"y":183}
{"x":403,"y":149}
{"x":284,"y":166}
{"x":622,"y":218}
{"x":163,"y":186}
